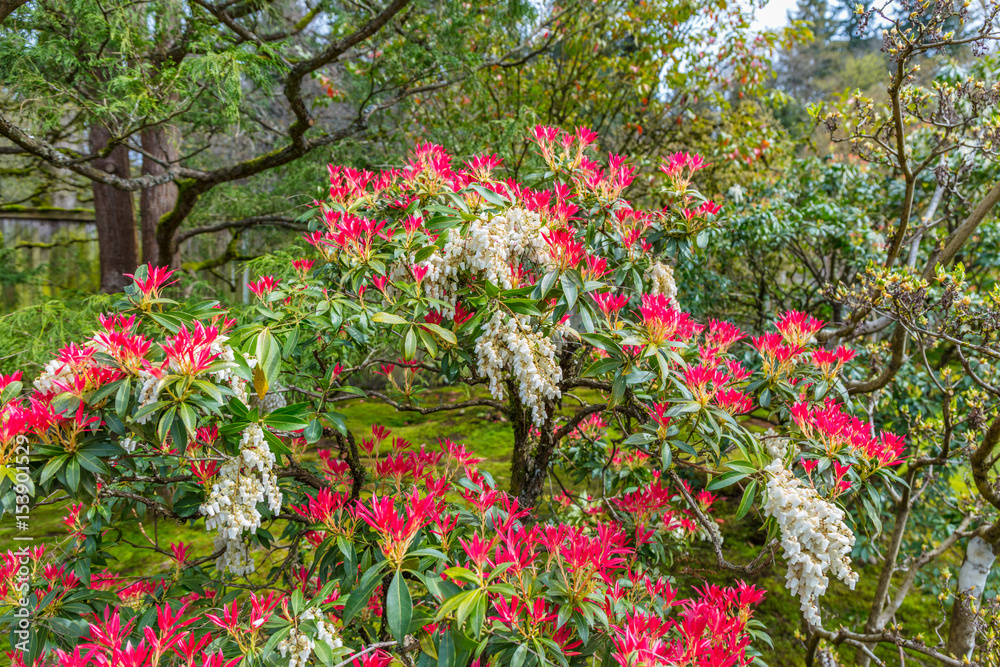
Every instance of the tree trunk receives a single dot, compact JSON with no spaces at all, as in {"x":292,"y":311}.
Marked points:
{"x":877,"y":615}
{"x":7,"y":7}
{"x":529,"y":463}
{"x":979,"y":558}
{"x":155,"y":202}
{"x":114,"y":215}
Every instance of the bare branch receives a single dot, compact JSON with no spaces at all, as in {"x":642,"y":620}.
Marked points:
{"x":963,"y":232}
{"x":253,"y":221}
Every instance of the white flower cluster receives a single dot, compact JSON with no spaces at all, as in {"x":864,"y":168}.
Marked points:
{"x":52,"y":375}
{"x":776,"y":447}
{"x":243,"y":481}
{"x":813,"y":536}
{"x":662,"y":278}
{"x":301,"y":646}
{"x":226,"y":375}
{"x":511,"y":344}
{"x":272,"y":400}
{"x":149,"y":392}
{"x":487,"y":249}
{"x":706,"y":534}
{"x":231,"y":507}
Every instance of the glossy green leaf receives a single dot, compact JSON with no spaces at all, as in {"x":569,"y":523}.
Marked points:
{"x":726,"y":479}
{"x":388,"y":318}
{"x":747,"y":502}
{"x":399,"y":607}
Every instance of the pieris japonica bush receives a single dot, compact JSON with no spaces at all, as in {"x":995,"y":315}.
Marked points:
{"x":552,"y":300}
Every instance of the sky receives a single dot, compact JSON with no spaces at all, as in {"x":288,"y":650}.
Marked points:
{"x":774,"y":14}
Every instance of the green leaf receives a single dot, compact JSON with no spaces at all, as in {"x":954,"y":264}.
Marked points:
{"x":446,"y":650}
{"x":453,"y":603}
{"x":268,"y":362}
{"x":168,"y":322}
{"x":569,"y":289}
{"x":65,"y":403}
{"x":313,"y":431}
{"x":548,"y":280}
{"x":285,"y":421}
{"x":600,"y":367}
{"x":351,"y":389}
{"x":275,"y":638}
{"x":291,"y":340}
{"x":617,"y":391}
{"x":765,"y":398}
{"x":275,"y":444}
{"x":166,"y":421}
{"x":189,"y":417}
{"x":666,"y":454}
{"x":742,"y":466}
{"x":519,"y":655}
{"x":640,"y":438}
{"x":324,"y":652}
{"x":445,"y":334}
{"x":490,"y":196}
{"x":465,"y":574}
{"x":748,"y":498}
{"x":260,"y":380}
{"x":388,"y":318}
{"x":478,"y":616}
{"x":73,"y":474}
{"x":123,"y":396}
{"x":410,"y":344}
{"x":872,"y":514}
{"x":358,"y":599}
{"x":399,"y":607}
{"x":424,"y":253}
{"x":350,"y":562}
{"x":13,"y":389}
{"x":90,"y":462}
{"x":523,"y":307}
{"x":52,"y":467}
{"x":336,"y":420}
{"x":725,"y":479}
{"x":428,"y":341}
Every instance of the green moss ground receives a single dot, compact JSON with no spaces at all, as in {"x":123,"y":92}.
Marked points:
{"x":482,"y":430}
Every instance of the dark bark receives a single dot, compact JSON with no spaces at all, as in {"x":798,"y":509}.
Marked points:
{"x":160,"y":144}
{"x":349,"y":450}
{"x":8,"y":6}
{"x":114,"y":215}
{"x":529,"y":463}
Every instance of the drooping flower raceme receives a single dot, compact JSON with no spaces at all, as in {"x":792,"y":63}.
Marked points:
{"x":662,"y":278}
{"x":509,"y":343}
{"x":814,"y":537}
{"x":489,"y":249}
{"x":243,"y":481}
{"x":497,"y":248}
